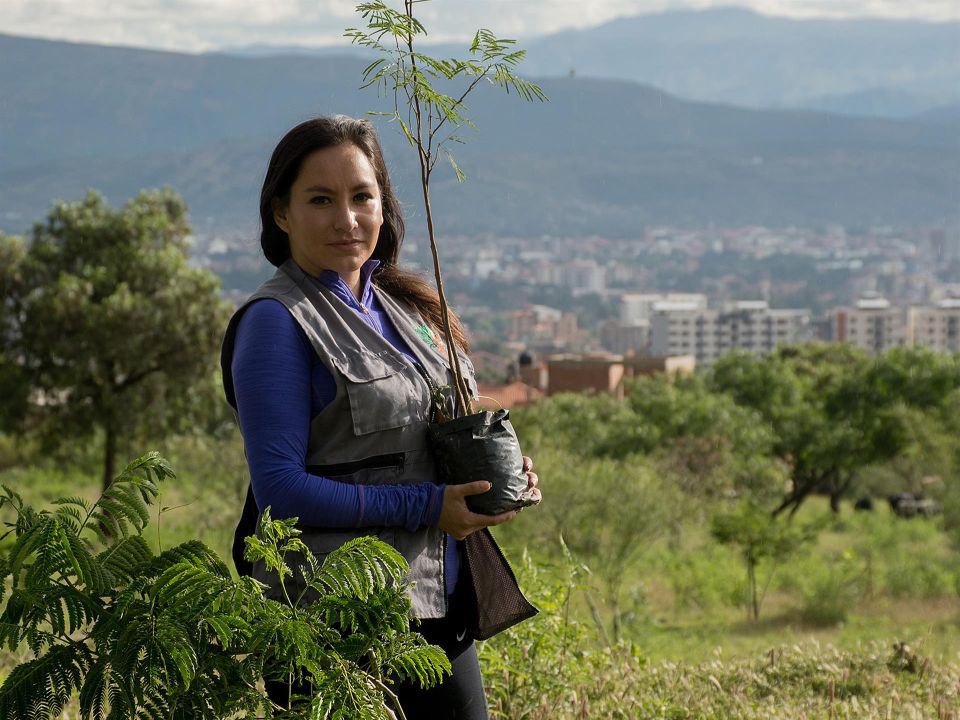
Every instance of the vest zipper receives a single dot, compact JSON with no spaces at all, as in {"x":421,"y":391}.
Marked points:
{"x":376,"y":462}
{"x":443,"y":573}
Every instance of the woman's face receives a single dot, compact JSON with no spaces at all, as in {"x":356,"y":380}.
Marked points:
{"x":334,"y":214}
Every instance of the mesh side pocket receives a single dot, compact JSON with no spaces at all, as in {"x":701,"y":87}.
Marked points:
{"x":493,"y":596}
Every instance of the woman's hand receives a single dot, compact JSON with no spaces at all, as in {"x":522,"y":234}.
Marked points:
{"x":457,"y":519}
{"x":532,"y":479}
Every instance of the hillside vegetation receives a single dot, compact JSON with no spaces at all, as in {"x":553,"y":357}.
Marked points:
{"x":647,"y":609}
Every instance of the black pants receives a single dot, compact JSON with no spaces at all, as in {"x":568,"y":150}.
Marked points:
{"x":459,"y":697}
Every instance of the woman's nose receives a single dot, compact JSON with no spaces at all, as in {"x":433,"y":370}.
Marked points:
{"x":346,"y":218}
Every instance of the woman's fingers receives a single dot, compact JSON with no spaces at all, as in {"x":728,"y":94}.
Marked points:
{"x":490,"y":520}
{"x":532,"y":480}
{"x":457,"y":519}
{"x":527,"y":463}
{"x":477,"y":487}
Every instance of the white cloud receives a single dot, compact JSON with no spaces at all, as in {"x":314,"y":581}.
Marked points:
{"x":197,"y":25}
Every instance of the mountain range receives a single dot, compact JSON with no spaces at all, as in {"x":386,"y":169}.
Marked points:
{"x":875,"y":67}
{"x":603,"y":157}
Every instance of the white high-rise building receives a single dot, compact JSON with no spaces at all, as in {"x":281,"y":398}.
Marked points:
{"x":679,"y":328}
{"x":584,"y":276}
{"x":637,"y":308}
{"x":937,"y":327}
{"x":874,"y":324}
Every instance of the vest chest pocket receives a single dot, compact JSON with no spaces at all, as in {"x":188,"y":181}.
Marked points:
{"x":382,"y":396}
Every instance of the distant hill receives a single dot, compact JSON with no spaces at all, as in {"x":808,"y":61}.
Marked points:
{"x":604,"y":157}
{"x":887,"y":68}
{"x":875,"y":102}
{"x":946,"y":114}
{"x":740,"y":57}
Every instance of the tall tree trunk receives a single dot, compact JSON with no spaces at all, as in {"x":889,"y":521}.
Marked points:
{"x":835,"y":496}
{"x":109,"y":456}
{"x":838,"y":489}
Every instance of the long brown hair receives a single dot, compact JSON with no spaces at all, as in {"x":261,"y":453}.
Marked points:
{"x":285,"y":163}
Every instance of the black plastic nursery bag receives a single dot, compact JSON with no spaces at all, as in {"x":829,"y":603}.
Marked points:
{"x":482,"y":446}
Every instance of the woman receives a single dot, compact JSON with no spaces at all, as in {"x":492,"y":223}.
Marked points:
{"x":331,"y":372}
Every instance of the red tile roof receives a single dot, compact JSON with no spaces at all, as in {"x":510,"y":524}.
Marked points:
{"x":508,"y":396}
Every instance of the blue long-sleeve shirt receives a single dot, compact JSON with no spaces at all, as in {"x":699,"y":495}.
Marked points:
{"x":281,"y":385}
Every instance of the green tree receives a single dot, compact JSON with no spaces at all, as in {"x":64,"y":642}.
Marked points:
{"x":105,"y":325}
{"x":835,"y":411}
{"x":14,"y":389}
{"x":797,"y":390}
{"x":704,"y":441}
{"x":758,"y":536}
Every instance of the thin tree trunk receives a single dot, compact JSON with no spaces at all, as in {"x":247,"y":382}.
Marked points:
{"x":461,"y":396}
{"x":835,"y":501}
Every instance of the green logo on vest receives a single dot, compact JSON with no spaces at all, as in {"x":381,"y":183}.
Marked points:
{"x":431,"y":337}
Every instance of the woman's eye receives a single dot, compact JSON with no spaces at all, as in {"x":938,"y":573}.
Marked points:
{"x":363,"y":197}
{"x":319,"y":200}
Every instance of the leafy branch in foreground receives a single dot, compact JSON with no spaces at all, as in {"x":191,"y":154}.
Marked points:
{"x":430,"y":117}
{"x":134,"y":634}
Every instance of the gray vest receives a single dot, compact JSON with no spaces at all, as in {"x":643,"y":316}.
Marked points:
{"x":374,"y":430}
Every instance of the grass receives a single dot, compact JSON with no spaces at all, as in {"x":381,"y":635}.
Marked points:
{"x":683,"y":601}
{"x":790,"y":677}
{"x":932,"y":626}
{"x":687,"y":650}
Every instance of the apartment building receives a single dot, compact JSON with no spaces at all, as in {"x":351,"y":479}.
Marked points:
{"x":621,"y":338}
{"x":873,"y":324}
{"x":637,"y":308}
{"x":938,"y":327}
{"x":542,"y":326}
{"x":683,"y":328}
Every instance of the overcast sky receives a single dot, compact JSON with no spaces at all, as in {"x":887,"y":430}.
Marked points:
{"x":198,"y":25}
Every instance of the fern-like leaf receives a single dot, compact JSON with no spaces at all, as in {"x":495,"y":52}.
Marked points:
{"x":96,"y":698}
{"x":26,"y":543}
{"x":412,"y":659}
{"x":188,"y":586}
{"x":346,"y":692}
{"x":51,"y":556}
{"x":121,"y":509}
{"x":125,"y":558}
{"x":227,"y":628}
{"x":193,"y":552}
{"x":175,"y":648}
{"x":4,"y":572}
{"x":41,"y":687}
{"x":86,"y":566}
{"x":71,"y":512}
{"x":359,"y":568}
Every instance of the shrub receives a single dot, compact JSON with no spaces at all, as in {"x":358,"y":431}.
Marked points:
{"x":832,"y":589}
{"x":173,"y":636}
{"x":704,"y":578}
{"x":552,"y":666}
{"x":758,"y":536}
